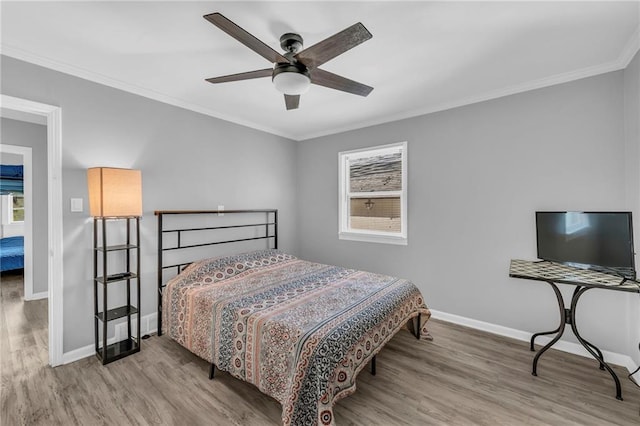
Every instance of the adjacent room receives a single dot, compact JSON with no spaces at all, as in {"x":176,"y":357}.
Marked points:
{"x":235,"y":212}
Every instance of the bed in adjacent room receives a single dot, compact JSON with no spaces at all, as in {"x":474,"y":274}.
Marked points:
{"x":11,"y":253}
{"x":299,"y":331}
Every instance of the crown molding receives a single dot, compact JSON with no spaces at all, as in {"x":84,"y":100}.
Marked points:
{"x":487,"y":96}
{"x":630,"y":49}
{"x":95,"y":77}
{"x":622,"y":61}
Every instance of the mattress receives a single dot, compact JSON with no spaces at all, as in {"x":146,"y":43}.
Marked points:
{"x":299,"y":331}
{"x":11,"y":253}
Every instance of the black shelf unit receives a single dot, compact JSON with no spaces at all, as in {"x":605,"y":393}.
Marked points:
{"x":105,"y":352}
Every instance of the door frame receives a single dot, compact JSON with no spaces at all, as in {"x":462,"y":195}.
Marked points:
{"x":53,"y":115}
{"x":26,"y":153}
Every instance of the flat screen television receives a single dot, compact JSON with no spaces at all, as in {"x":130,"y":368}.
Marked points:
{"x":601,"y":241}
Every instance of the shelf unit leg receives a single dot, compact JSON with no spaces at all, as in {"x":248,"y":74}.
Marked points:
{"x":138,"y":281}
{"x":95,"y":284}
{"x":104,"y":292}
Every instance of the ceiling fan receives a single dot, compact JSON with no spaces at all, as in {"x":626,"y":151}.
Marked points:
{"x":295,"y":70}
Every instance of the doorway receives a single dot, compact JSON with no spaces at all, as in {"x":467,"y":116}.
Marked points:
{"x":53,"y":117}
{"x":21,"y":155}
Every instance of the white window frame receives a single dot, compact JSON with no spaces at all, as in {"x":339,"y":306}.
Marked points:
{"x":6,"y":209}
{"x":12,"y":210}
{"x":345,"y":195}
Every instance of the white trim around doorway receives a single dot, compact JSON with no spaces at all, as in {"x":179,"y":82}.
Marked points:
{"x":53,"y":115}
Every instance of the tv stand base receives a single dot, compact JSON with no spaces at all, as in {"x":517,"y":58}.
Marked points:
{"x":583,"y":280}
{"x":568,"y":316}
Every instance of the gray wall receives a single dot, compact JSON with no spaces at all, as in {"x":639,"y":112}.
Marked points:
{"x":632,"y":138}
{"x":21,"y":133}
{"x":188,"y":161}
{"x":476,"y":176}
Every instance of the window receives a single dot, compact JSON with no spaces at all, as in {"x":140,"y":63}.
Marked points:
{"x":12,"y":208}
{"x":17,"y":207}
{"x":373,"y":194}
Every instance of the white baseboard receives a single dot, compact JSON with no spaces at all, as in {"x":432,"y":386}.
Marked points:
{"x":525,"y":336}
{"x":148,"y":325}
{"x":78,"y":354}
{"x":37,"y":296}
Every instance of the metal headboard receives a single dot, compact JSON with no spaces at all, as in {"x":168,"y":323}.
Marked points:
{"x":269,"y":224}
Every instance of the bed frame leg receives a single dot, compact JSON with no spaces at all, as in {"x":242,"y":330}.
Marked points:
{"x":212,"y":369}
{"x":373,"y":366}
{"x":418,"y":328}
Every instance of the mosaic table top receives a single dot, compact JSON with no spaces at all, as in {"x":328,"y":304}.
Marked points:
{"x":558,"y":273}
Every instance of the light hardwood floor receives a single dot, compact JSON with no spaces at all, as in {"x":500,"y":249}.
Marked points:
{"x":462,"y":377}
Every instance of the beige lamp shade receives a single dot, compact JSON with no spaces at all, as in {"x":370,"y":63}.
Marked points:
{"x":114,"y":192}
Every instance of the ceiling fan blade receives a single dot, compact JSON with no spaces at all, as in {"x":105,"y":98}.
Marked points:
{"x":333,"y":46}
{"x":334,"y":81}
{"x":292,"y":101}
{"x":242,"y":76}
{"x":245,"y":38}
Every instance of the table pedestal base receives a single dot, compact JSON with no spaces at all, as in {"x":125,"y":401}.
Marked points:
{"x":568,"y":316}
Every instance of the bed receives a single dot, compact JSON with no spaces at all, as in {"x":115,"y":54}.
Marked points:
{"x":299,"y":331}
{"x":11,"y":253}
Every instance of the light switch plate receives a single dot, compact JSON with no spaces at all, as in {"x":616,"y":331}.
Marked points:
{"x":76,"y":205}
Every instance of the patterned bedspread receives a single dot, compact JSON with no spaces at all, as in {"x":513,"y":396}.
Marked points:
{"x":297,"y":330}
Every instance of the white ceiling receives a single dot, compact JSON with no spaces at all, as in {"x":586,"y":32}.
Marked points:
{"x":423,"y":57}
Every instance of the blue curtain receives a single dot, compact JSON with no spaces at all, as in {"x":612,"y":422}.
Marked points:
{"x":11,"y":179}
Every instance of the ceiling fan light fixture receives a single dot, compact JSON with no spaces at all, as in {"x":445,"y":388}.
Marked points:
{"x":291,"y":80}
{"x":290,"y":74}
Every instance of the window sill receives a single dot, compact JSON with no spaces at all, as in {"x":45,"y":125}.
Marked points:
{"x":373,"y":238}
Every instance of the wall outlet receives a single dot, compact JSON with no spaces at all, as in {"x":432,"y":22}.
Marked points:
{"x":220,"y":209}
